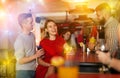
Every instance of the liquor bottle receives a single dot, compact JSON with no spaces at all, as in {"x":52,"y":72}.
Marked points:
{"x":85,"y":44}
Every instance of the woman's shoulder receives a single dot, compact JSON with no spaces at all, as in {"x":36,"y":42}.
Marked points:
{"x":44,"y":41}
{"x":60,"y":39}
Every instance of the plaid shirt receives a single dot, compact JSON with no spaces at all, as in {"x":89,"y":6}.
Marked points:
{"x":111,"y":38}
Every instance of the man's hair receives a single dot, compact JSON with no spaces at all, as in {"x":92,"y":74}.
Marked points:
{"x":23,"y":16}
{"x":103,"y":7}
{"x":117,"y":11}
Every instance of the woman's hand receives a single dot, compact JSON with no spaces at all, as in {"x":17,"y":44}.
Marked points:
{"x":39,"y":53}
{"x":51,"y":70}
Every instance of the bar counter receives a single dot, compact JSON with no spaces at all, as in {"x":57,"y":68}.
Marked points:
{"x":88,"y":65}
{"x":87,"y":62}
{"x":92,"y":76}
{"x":86,"y":56}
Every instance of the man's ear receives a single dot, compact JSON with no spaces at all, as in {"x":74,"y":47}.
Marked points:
{"x":104,"y":13}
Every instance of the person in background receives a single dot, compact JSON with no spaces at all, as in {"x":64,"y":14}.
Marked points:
{"x":80,"y":38}
{"x":69,"y":40}
{"x":66,"y":35}
{"x":93,"y":38}
{"x":25,"y":48}
{"x":103,"y":12}
{"x":94,"y":32}
{"x":53,"y":46}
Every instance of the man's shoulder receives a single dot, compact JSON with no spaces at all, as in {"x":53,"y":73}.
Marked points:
{"x":112,"y":22}
{"x":19,"y":38}
{"x":32,"y":34}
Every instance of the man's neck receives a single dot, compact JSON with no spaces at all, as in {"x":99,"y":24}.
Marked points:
{"x":26,"y":32}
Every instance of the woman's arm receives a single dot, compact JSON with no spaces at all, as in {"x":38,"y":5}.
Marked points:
{"x":43,"y":63}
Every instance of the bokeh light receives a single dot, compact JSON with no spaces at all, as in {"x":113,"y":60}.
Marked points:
{"x":3,"y":14}
{"x":3,"y":1}
{"x":67,"y":48}
{"x":80,"y":0}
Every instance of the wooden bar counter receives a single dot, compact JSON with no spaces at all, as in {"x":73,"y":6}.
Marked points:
{"x":89,"y":67}
{"x":88,"y":62}
{"x":91,"y":76}
{"x":86,"y":57}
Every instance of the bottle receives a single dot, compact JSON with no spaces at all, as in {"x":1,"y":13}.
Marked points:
{"x":101,"y":38}
{"x":85,"y":44}
{"x":101,"y":32}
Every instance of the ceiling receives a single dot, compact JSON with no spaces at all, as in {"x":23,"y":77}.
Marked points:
{"x":55,"y":9}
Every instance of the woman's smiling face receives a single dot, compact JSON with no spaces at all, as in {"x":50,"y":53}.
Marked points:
{"x":51,"y":28}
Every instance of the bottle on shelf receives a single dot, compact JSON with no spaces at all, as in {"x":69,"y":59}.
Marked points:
{"x":85,"y":44}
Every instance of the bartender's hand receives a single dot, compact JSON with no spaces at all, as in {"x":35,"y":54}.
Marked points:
{"x":104,"y":57}
{"x":39,"y":53}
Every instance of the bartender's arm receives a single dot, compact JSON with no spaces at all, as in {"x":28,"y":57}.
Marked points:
{"x":105,"y":58}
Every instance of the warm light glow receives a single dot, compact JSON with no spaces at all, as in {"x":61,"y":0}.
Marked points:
{"x":51,"y":14}
{"x":75,"y":0}
{"x":79,"y":0}
{"x":57,"y":61}
{"x":41,"y":2}
{"x":67,"y":48}
{"x":7,"y":62}
{"x":3,"y":14}
{"x":3,"y":1}
{"x":28,"y":0}
{"x":102,"y":48}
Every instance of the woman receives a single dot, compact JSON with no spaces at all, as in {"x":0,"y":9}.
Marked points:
{"x":53,"y":46}
{"x":67,"y":36}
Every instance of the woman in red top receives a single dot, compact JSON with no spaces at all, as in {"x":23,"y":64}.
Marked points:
{"x":53,"y":46}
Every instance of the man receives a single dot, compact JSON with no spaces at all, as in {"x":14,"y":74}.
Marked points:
{"x":25,"y":48}
{"x":103,"y":13}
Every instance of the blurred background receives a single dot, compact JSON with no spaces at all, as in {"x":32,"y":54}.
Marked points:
{"x":66,"y":13}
